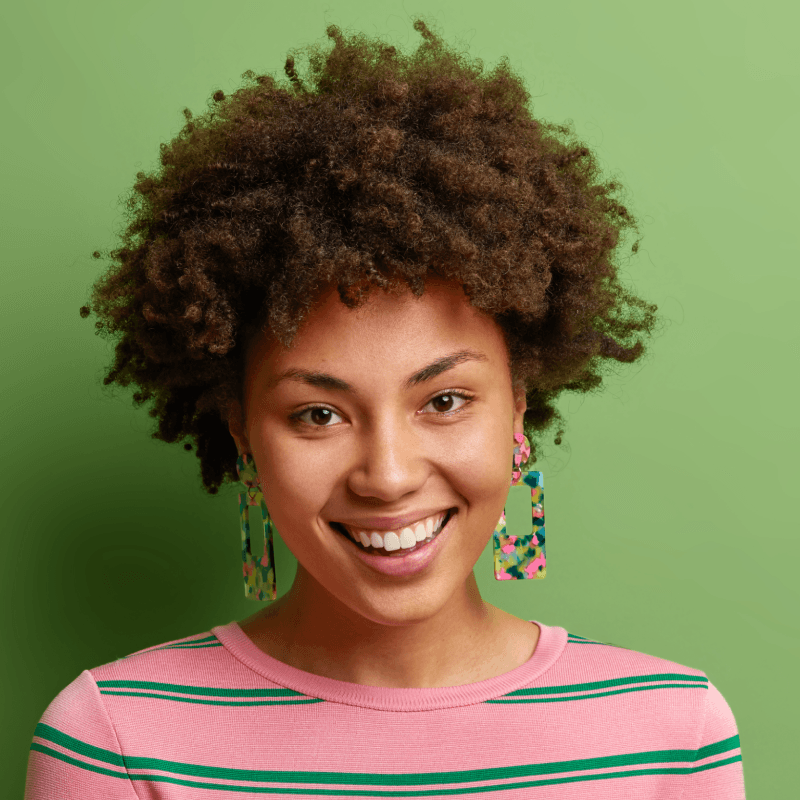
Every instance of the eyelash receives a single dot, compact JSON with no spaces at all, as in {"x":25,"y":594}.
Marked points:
{"x":464,"y":395}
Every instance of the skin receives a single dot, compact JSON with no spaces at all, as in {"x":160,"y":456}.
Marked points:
{"x":385,"y":449}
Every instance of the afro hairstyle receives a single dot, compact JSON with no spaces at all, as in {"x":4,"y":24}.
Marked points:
{"x":372,"y":169}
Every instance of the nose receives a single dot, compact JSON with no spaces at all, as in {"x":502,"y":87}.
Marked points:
{"x":391,"y":463}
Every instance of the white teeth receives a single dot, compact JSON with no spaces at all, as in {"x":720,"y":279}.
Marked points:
{"x":391,"y":541}
{"x":407,"y":537}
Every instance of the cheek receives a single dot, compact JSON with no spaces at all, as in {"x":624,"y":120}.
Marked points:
{"x":480,"y":469}
{"x":294,"y":491}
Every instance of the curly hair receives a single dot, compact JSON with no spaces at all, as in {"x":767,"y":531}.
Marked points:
{"x":374,"y":169}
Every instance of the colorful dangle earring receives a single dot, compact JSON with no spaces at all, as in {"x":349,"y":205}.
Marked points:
{"x":517,"y":557}
{"x":259,"y":574}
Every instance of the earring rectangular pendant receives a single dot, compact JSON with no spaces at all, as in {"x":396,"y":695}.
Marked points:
{"x":521,"y":557}
{"x":259,"y":573}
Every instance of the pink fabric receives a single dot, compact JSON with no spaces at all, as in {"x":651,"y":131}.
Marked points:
{"x":211,"y":716}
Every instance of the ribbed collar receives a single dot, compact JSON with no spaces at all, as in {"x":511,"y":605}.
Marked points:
{"x":549,"y":647}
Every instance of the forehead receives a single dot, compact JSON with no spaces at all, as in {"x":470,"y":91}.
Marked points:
{"x":389,"y":332}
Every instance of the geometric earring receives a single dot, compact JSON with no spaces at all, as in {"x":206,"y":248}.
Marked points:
{"x":520,"y":557}
{"x":259,"y":573}
{"x":515,"y":557}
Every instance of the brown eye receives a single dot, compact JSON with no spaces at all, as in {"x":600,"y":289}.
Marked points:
{"x":320,"y":416}
{"x":315,"y":416}
{"x":443,"y":403}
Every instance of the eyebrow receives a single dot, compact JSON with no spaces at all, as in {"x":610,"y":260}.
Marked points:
{"x":324,"y":381}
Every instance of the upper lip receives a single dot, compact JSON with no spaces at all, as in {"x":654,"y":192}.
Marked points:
{"x":393,"y":523}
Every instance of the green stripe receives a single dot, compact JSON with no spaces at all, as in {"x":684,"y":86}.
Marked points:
{"x":571,"y":640}
{"x":206,"y":640}
{"x":416,"y":779}
{"x":382,"y":779}
{"x":75,"y":763}
{"x":171,"y":647}
{"x":718,"y":747}
{"x":428,"y":792}
{"x":722,"y":763}
{"x":51,"y":734}
{"x":391,"y":793}
{"x":210,"y":638}
{"x":199,"y":690}
{"x":597,"y":694}
{"x":219,"y":702}
{"x":578,"y":687}
{"x":586,"y":641}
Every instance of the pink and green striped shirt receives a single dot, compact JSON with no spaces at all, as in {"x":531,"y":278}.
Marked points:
{"x":212,"y":716}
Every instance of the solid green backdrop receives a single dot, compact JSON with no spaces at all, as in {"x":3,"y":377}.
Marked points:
{"x":668,"y":508}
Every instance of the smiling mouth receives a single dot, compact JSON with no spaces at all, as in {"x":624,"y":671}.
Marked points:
{"x":381,"y":551}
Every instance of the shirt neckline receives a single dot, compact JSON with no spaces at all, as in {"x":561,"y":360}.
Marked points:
{"x":551,"y":644}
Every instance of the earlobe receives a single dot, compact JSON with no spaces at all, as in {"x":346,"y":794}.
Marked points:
{"x":520,"y":407}
{"x":236,"y":426}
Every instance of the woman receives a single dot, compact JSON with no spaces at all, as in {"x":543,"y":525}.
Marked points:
{"x":360,"y":294}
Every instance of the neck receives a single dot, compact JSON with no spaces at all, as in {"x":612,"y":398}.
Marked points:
{"x":311,"y":630}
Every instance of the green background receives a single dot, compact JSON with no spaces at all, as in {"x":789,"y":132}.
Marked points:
{"x":668,"y":509}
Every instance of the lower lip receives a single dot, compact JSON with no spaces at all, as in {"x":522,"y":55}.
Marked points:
{"x":412,"y":563}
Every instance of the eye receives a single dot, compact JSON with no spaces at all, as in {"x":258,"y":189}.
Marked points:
{"x":447,"y":398}
{"x":318,"y":414}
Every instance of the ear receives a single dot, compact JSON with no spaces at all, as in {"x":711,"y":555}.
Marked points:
{"x":236,"y":427}
{"x":520,"y":407}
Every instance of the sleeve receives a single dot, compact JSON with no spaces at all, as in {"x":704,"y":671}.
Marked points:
{"x":717,"y":771}
{"x":75,"y":754}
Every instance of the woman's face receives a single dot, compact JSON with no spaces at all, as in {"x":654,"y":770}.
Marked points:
{"x":355,"y":423}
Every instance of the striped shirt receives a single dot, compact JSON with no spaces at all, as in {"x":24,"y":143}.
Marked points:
{"x":212,"y":716}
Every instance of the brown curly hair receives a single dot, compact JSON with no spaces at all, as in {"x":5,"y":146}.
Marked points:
{"x":375,"y":169}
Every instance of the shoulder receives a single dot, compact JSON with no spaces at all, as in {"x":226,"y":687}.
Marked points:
{"x":615,"y":669}
{"x":164,"y":653}
{"x":162,"y":660}
{"x":590,"y":658}
{"x":610,"y":706}
{"x":78,"y":739}
{"x":618,"y":683}
{"x":169,"y":670}
{"x":85,"y":713}
{"x":639,"y":686}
